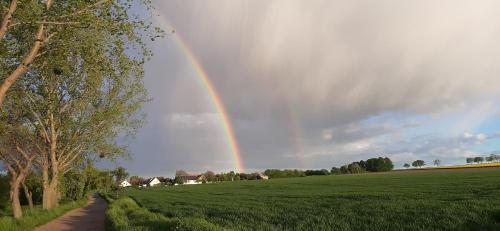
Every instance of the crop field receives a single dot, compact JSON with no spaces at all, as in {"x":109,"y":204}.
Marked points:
{"x":459,"y":199}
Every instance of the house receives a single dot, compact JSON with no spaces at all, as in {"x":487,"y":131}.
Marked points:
{"x":261,"y":176}
{"x":151,"y":182}
{"x":124,"y":184}
{"x":193,"y":179}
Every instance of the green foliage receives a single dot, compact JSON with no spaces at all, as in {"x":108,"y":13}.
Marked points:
{"x":344,"y":169}
{"x":478,"y":159}
{"x":320,"y":172}
{"x":125,"y":214}
{"x":34,"y":183}
{"x":469,"y":160}
{"x":37,"y":217}
{"x":388,"y":201}
{"x":335,"y":171}
{"x":418,"y":163}
{"x":179,"y":180}
{"x":406,"y":165}
{"x":379,"y":164}
{"x":120,"y":174}
{"x":354,"y":168}
{"x":98,"y":180}
{"x":72,"y":185}
{"x":287,"y":173}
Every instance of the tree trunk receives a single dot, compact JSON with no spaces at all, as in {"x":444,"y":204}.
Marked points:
{"x":51,"y":194}
{"x":28,"y":195}
{"x":14,"y":198}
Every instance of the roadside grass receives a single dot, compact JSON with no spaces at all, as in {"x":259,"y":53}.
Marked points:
{"x":125,"y":214}
{"x":38,"y":216}
{"x":460,"y":199}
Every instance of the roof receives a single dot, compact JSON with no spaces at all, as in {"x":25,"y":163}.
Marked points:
{"x":191,"y":177}
{"x":149,"y":180}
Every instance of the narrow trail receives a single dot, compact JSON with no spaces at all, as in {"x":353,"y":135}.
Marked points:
{"x":89,"y":218}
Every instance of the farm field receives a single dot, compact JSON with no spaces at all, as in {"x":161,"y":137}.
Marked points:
{"x":459,"y":199}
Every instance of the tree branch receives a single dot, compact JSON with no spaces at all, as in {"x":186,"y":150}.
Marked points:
{"x":23,"y":67}
{"x":7,"y":19}
{"x":43,"y":22}
{"x":85,"y":9}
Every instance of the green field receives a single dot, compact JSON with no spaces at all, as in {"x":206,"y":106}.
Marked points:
{"x":464,"y":199}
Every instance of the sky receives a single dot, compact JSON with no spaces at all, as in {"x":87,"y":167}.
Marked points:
{"x":320,"y":83}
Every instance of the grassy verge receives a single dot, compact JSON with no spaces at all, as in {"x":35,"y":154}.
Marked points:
{"x":37,"y":217}
{"x":125,"y":214}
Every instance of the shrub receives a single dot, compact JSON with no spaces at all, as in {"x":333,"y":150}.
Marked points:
{"x":126,"y":214}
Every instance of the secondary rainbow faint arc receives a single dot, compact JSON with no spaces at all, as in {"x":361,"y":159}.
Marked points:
{"x":213,"y":95}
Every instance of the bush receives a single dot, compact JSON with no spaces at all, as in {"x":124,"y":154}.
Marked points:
{"x":126,"y":214}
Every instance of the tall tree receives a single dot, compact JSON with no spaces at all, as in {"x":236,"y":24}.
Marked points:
{"x":29,"y":29}
{"x":86,"y":86}
{"x":17,"y":153}
{"x":418,"y":163}
{"x":120,"y":174}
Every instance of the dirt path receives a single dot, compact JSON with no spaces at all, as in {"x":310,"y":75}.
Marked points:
{"x":90,"y":217}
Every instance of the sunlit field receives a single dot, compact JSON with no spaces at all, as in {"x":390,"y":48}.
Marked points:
{"x":463,"y":199}
{"x":482,"y":165}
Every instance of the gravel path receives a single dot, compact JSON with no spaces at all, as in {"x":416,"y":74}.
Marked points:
{"x":90,"y":217}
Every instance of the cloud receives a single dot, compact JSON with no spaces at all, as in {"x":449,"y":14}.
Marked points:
{"x":187,"y":120}
{"x":327,"y":81}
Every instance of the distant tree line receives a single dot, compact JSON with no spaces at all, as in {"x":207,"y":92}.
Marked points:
{"x":380,"y":164}
{"x":286,"y":173}
{"x":480,"y":159}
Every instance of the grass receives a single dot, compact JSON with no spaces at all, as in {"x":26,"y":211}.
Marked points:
{"x":460,"y":199}
{"x":37,"y":217}
{"x":125,"y":214}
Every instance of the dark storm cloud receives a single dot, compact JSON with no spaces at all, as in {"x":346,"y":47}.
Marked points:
{"x":322,"y":67}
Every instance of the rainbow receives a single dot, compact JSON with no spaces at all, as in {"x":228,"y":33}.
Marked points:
{"x":215,"y":99}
